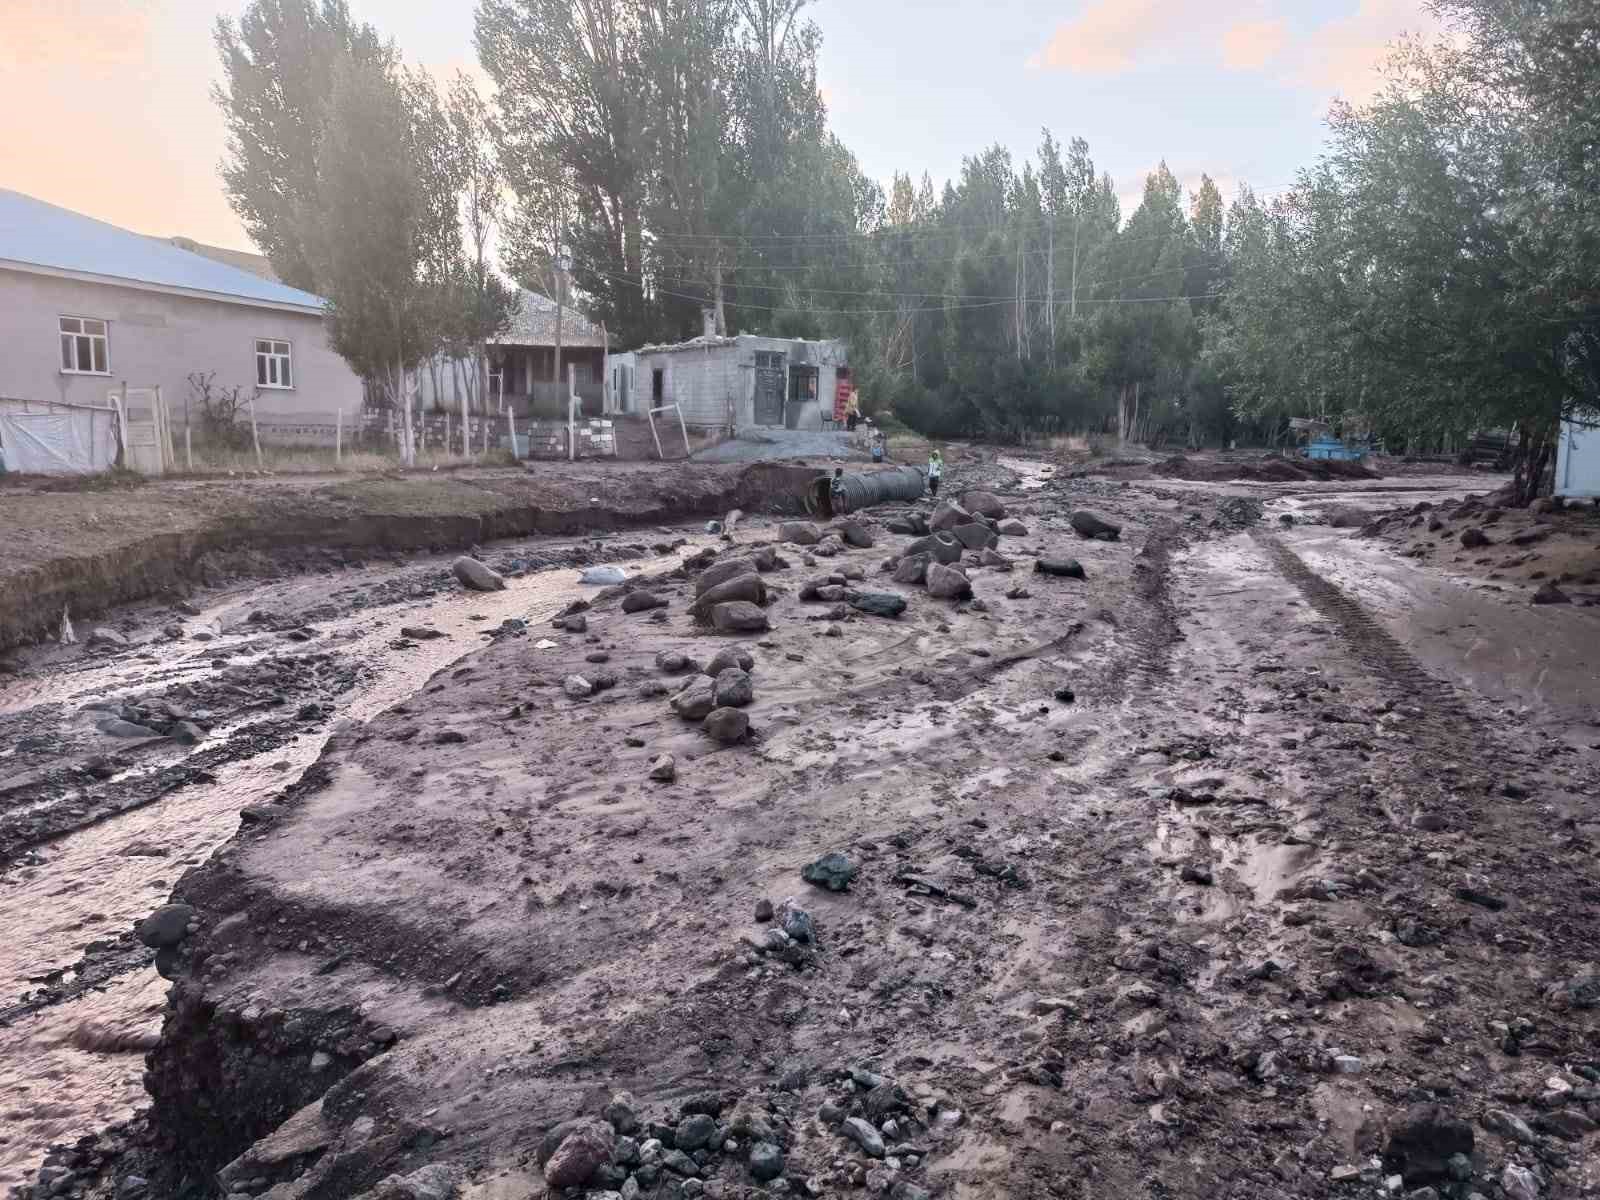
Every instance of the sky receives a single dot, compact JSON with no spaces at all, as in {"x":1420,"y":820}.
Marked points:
{"x":108,"y":109}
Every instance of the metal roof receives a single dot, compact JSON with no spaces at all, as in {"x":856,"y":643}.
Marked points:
{"x":535,"y":325}
{"x":39,"y":236}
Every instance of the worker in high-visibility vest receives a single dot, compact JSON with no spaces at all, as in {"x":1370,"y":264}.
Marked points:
{"x":935,"y":471}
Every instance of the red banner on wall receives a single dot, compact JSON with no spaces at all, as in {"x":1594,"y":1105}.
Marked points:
{"x":841,"y":395}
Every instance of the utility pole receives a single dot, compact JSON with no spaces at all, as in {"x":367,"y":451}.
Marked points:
{"x":1077,"y":219}
{"x":1050,"y":289}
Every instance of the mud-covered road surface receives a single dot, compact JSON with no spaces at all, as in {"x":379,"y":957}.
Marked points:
{"x":1257,"y":863}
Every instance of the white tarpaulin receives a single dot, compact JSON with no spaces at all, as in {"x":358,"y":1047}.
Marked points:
{"x":62,"y":441}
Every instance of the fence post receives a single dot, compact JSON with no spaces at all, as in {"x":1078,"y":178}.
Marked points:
{"x":338,"y":437}
{"x":255,"y":434}
{"x":678,"y":408}
{"x":572,"y":412}
{"x":511,"y":427}
{"x":651,"y":413}
{"x":122,"y":421}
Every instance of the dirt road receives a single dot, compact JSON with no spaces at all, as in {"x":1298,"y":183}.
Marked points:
{"x":1202,"y":876}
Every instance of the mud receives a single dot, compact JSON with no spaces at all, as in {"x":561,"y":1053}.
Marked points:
{"x":1144,"y":862}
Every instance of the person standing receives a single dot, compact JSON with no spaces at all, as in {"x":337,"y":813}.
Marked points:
{"x":935,"y":472}
{"x":836,"y":500}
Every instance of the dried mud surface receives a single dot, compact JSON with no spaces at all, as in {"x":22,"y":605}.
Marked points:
{"x":1281,"y":869}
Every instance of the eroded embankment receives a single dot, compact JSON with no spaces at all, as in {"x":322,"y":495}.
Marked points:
{"x":398,"y":513}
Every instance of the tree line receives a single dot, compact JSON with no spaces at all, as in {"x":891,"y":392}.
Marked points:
{"x":1432,"y":273}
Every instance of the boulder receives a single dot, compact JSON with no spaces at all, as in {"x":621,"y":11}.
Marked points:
{"x":1066,"y":568}
{"x":1551,"y":594}
{"x":167,"y":926}
{"x":695,"y":1132}
{"x":730,"y":656}
{"x":976,"y":536}
{"x":727,"y":725}
{"x":664,"y":769}
{"x":985,"y":504}
{"x":945,"y":547}
{"x":474,"y":575}
{"x":879,"y":604}
{"x":990,"y":557}
{"x":697,"y":699}
{"x":751,"y":588}
{"x":796,"y":922}
{"x":674,"y":663}
{"x":948,"y":516}
{"x":739,"y":616}
{"x":642,"y":601}
{"x":1012,"y":527}
{"x":801,"y":533}
{"x":854,"y":533}
{"x":421,"y":633}
{"x":1087,"y":525}
{"x":734,"y":689}
{"x":913,"y":568}
{"x":914,"y":524}
{"x":947,"y":583}
{"x":577,"y":687}
{"x":1475,"y":539}
{"x":118,"y":728}
{"x":832,"y":871}
{"x":864,"y":1135}
{"x":721,"y":572}
{"x":766,"y":1161}
{"x":1422,"y":1142}
{"x":585,"y":1149}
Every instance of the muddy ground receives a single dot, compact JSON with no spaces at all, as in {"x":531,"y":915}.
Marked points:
{"x":1195,"y":877}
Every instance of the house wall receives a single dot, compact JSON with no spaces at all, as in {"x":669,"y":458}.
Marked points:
{"x":715,"y":383}
{"x":157,"y":339}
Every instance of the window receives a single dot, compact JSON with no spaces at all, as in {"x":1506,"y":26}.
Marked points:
{"x":83,"y":347}
{"x":272,"y":365}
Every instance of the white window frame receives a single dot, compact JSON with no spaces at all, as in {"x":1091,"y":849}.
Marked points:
{"x":74,"y":339}
{"x":279,"y":364}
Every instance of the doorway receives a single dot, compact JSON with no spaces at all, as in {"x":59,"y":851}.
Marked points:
{"x":658,"y":387}
{"x":802,"y":391}
{"x":769,"y":388}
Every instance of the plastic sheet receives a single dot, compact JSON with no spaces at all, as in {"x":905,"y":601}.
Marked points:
{"x":62,"y":441}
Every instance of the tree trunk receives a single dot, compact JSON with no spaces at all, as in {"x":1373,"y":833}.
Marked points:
{"x":560,"y":280}
{"x":716,"y":278}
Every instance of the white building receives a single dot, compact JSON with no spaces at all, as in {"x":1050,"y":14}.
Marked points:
{"x":86,"y":307}
{"x":1578,"y":460}
{"x":735,"y":382}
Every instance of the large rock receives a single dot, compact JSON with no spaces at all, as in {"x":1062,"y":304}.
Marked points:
{"x":1086,"y":524}
{"x":854,"y":533}
{"x":721,"y":572}
{"x":107,"y":637}
{"x":695,"y":1132}
{"x":948,"y":516}
{"x":727,"y":725}
{"x":976,"y":536}
{"x":990,"y":557}
{"x":1421,"y":1143}
{"x":864,"y":1135}
{"x":167,"y":926}
{"x":832,"y":871}
{"x":696,"y":700}
{"x":879,"y":604}
{"x":913,"y":523}
{"x":943,"y":546}
{"x":766,"y":1161}
{"x":734,"y":689}
{"x":473,"y":574}
{"x":118,"y":728}
{"x":585,"y":1149}
{"x":730,"y":656}
{"x":1012,"y":527}
{"x":642,"y":601}
{"x":801,"y":533}
{"x":1475,"y":539}
{"x":985,"y":504}
{"x":577,"y":687}
{"x":1551,"y":594}
{"x":739,"y":616}
{"x":663,"y":770}
{"x":913,"y":568}
{"x":674,"y":663}
{"x":1067,"y":568}
{"x":947,"y":583}
{"x":751,"y":588}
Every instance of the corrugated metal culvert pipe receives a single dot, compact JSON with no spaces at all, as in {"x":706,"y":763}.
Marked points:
{"x":863,"y":489}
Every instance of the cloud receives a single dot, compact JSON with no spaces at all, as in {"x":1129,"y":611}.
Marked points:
{"x":1251,"y":45}
{"x":1343,"y":55}
{"x":77,"y":34}
{"x":1105,"y":38}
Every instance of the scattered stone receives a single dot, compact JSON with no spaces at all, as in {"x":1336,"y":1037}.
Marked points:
{"x":597,"y":656}
{"x":1011,"y":527}
{"x":801,"y":533}
{"x":167,"y":926}
{"x":948,"y":583}
{"x":739,"y":616}
{"x":947,"y":515}
{"x":695,"y":1132}
{"x":854,"y":533}
{"x":942,"y":546}
{"x":1422,"y":1142}
{"x":796,"y":922}
{"x":721,"y":572}
{"x":734,"y":689}
{"x":1344,"y":1174}
{"x":864,"y":1135}
{"x":1066,"y":568}
{"x":832,"y":871}
{"x":749,"y":588}
{"x":696,"y":700}
{"x":672,"y":662}
{"x":913,"y":568}
{"x":107,"y":638}
{"x":975,"y":536}
{"x":420,"y":633}
{"x":730,"y":657}
{"x":985,"y":504}
{"x":623,"y":1115}
{"x":727,"y":725}
{"x":577,"y":623}
{"x":577,"y":687}
{"x":1087,"y":525}
{"x":878,"y":604}
{"x":1519,"y":1183}
{"x":118,"y":728}
{"x":1551,"y":594}
{"x":763,"y":910}
{"x":477,"y":577}
{"x":766,"y":1161}
{"x":990,"y":557}
{"x":453,"y":737}
{"x":1065,"y":695}
{"x":187,"y":733}
{"x":1508,"y":1125}
{"x":663,"y":770}
{"x":1346,"y":1064}
{"x":642,"y":601}
{"x":1474,"y":539}
{"x":583,"y":1151}
{"x":1197,"y":873}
